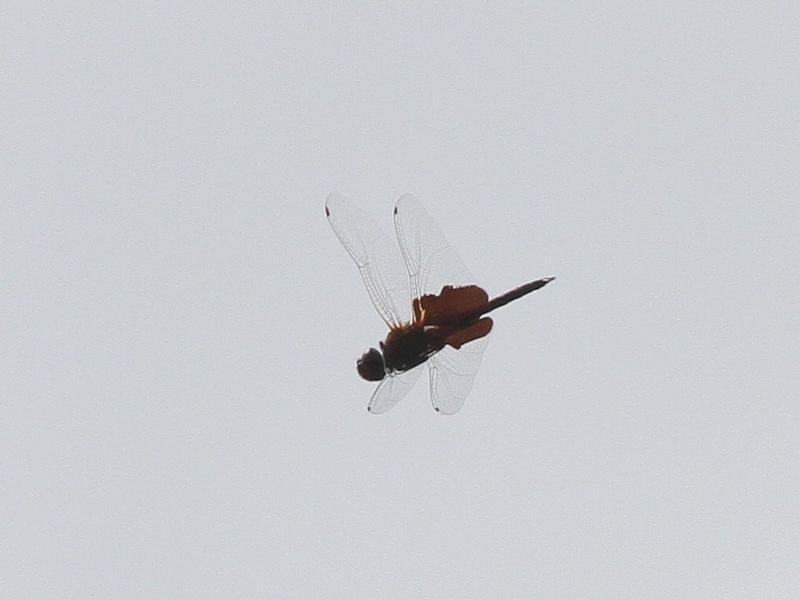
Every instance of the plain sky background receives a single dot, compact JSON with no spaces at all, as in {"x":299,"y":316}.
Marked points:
{"x":181,"y":417}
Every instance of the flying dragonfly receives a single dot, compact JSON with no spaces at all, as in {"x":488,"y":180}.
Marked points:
{"x":433,"y":307}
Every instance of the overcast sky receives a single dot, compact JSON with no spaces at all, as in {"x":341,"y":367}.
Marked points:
{"x":181,"y":416}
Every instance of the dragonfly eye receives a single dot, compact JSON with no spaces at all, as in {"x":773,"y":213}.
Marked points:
{"x":370,"y":366}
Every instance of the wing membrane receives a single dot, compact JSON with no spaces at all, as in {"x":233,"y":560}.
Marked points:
{"x":451,"y":374}
{"x":430,"y":260}
{"x":375,"y":256}
{"x":432,"y":264}
{"x":392,"y":389}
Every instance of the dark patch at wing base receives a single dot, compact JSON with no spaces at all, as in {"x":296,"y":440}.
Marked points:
{"x":446,"y":307}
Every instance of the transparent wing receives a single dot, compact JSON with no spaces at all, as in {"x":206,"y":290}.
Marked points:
{"x":451,"y":374}
{"x":430,"y":260}
{"x":375,"y":256}
{"x":431,"y":264}
{"x":392,"y":389}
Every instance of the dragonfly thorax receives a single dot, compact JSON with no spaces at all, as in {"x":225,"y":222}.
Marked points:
{"x":409,"y":346}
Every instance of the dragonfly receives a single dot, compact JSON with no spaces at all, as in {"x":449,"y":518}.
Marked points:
{"x":435,"y":310}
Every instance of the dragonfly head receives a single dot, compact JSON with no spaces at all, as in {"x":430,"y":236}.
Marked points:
{"x":371,"y":366}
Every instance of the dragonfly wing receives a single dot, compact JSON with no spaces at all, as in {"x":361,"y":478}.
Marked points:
{"x":432,"y":264}
{"x":451,"y":374}
{"x":430,"y":260}
{"x":375,"y":256}
{"x":392,"y":389}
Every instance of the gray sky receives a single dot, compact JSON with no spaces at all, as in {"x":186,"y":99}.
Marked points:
{"x":181,"y":414}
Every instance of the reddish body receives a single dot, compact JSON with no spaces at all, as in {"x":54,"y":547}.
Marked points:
{"x":453,"y":318}
{"x":447,"y":326}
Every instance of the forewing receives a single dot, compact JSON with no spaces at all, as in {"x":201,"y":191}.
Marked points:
{"x":375,"y":256}
{"x":392,"y":389}
{"x":432,"y":264}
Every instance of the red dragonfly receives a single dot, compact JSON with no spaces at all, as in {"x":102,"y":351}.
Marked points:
{"x":434,"y":309}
